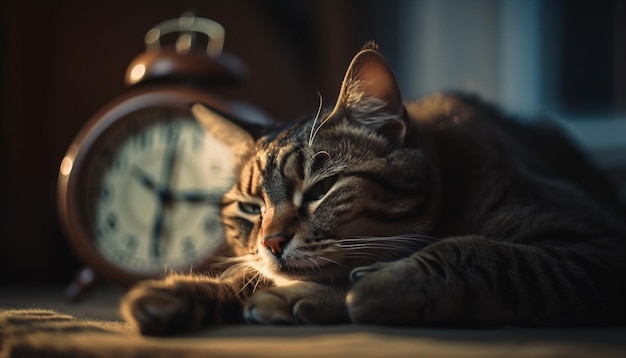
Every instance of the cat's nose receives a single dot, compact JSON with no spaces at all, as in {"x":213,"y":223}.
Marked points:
{"x":276,"y":243}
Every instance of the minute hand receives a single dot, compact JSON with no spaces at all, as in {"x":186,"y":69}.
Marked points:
{"x":164,"y":195}
{"x":168,"y":165}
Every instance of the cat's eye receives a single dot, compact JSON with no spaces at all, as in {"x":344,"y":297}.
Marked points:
{"x":321,"y":188}
{"x":249,"y":208}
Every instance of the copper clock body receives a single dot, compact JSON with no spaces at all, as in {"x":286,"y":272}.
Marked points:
{"x":139,"y":188}
{"x":111,"y":187}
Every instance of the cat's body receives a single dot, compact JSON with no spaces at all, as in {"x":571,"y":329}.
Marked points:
{"x":439,"y":212}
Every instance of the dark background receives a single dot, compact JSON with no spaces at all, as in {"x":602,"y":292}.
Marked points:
{"x":61,"y":61}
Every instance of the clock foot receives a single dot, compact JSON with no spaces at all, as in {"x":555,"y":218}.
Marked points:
{"x":85,"y":280}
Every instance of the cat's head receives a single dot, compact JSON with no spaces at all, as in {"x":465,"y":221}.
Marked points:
{"x":342,"y":189}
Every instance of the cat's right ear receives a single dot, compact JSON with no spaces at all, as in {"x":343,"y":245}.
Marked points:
{"x":370,"y":94}
{"x":223,"y":129}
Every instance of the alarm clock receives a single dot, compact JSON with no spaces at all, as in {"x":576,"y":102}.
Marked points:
{"x":140,"y":186}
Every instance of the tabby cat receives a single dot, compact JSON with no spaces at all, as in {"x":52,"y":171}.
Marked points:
{"x":431,"y":213}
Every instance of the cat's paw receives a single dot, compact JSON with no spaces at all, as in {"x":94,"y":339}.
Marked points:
{"x":397,"y":293}
{"x":301,"y":303}
{"x":157,"y":308}
{"x":269,"y":307}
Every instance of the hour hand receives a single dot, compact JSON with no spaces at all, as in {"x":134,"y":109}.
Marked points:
{"x":198,"y":196}
{"x":144,"y":178}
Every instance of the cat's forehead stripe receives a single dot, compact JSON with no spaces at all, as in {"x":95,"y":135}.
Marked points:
{"x":249,"y":182}
{"x":249,"y":186}
{"x":256,"y":183}
{"x":261,"y":161}
{"x":287,"y":161}
{"x":279,"y":171}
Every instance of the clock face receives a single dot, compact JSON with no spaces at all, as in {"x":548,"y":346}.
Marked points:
{"x":152,"y":187}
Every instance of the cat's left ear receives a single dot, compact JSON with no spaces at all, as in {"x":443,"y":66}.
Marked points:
{"x":238,"y":139}
{"x":370,"y":95}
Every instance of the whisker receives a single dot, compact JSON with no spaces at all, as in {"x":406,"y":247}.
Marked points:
{"x":317,"y":115}
{"x":233,"y":269}
{"x":408,"y":244}
{"x":302,"y":267}
{"x":255,"y":277}
{"x":391,"y":238}
{"x":333,"y":262}
{"x":314,"y":263}
{"x":370,"y":256}
{"x":258,"y":281}
{"x":373,"y":244}
{"x":318,"y":129}
{"x":320,"y":153}
{"x":383,"y":250}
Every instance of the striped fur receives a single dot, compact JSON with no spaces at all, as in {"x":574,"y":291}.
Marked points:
{"x":437,"y":212}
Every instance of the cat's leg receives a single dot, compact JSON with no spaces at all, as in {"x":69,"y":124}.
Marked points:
{"x":298,"y":303}
{"x":475,"y":281}
{"x":184,"y":303}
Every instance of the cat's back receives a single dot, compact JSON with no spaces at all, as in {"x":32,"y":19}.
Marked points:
{"x":489,"y":159}
{"x":467,"y":120}
{"x":468,"y":137}
{"x":465,"y":124}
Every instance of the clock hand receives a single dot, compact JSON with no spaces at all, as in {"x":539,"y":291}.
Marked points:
{"x":197,"y":196}
{"x":144,"y":178}
{"x":157,"y":229}
{"x":164,"y":195}
{"x":168,"y":165}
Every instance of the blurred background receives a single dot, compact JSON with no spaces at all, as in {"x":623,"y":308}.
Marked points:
{"x":63,"y":60}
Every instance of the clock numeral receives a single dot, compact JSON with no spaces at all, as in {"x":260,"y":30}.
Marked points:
{"x":107,"y":228}
{"x":121,"y":257}
{"x":143,"y":140}
{"x":106,"y":194}
{"x":211,"y":224}
{"x":171,"y":132}
{"x":102,"y":193}
{"x":115,"y":161}
{"x":111,"y":222}
{"x":130,"y":243}
{"x":189,"y":249}
{"x":119,"y":162}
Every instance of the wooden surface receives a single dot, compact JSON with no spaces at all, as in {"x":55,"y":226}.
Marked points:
{"x":92,"y":328}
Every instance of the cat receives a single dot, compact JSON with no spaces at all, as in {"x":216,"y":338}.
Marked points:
{"x":438,"y":212}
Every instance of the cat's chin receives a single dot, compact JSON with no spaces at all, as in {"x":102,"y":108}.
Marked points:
{"x":287,"y":272}
{"x":294,"y":265}
{"x":328,"y":278}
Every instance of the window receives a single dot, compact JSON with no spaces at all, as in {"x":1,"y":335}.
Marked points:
{"x":561,"y":58}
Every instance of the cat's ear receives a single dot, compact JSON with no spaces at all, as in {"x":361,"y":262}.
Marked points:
{"x":370,"y":95}
{"x":239,"y":140}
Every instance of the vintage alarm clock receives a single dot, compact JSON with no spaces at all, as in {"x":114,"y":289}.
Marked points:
{"x":139,"y":188}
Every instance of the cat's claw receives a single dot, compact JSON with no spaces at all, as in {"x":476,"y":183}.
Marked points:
{"x":360,"y":272}
{"x":378,"y":294}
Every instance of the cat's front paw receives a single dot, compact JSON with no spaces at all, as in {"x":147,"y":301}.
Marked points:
{"x":157,"y":308}
{"x":400,"y":293}
{"x":269,"y":307}
{"x":300,"y":303}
